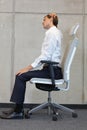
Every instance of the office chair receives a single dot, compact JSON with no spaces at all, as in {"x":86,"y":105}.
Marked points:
{"x":57,"y":85}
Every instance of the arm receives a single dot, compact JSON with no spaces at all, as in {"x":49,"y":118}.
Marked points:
{"x":45,"y":54}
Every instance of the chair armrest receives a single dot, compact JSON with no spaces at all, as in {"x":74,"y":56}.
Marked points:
{"x":50,"y":65}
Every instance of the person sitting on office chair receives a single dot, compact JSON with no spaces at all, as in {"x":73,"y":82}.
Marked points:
{"x":51,"y":51}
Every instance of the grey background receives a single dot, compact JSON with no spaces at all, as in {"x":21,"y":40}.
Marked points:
{"x":21,"y":36}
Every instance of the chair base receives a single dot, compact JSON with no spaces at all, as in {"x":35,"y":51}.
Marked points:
{"x":51,"y":107}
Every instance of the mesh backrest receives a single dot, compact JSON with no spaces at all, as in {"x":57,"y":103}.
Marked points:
{"x":69,"y":59}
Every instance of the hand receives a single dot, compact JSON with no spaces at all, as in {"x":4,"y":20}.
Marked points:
{"x":24,"y":70}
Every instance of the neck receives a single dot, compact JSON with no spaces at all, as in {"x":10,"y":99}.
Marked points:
{"x":50,"y":26}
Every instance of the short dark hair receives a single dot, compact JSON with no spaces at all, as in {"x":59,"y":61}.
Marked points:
{"x":55,"y":18}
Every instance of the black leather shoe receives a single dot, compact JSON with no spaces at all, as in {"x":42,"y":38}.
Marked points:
{"x":13,"y":115}
{"x":10,"y":111}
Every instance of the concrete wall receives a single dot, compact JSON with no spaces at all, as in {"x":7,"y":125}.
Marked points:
{"x":21,"y":36}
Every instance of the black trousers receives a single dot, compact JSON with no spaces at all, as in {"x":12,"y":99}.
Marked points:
{"x":18,"y":94}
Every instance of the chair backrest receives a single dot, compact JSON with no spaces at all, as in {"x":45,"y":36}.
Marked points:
{"x":70,"y":53}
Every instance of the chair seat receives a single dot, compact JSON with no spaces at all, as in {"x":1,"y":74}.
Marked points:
{"x":46,"y":81}
{"x":46,"y":84}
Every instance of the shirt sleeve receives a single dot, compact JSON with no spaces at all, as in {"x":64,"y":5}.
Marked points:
{"x":48,"y":47}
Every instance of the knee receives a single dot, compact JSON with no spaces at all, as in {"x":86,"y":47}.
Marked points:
{"x":21,"y":77}
{"x":18,"y":77}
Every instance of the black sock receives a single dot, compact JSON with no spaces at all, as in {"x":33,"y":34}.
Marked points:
{"x":19,"y":108}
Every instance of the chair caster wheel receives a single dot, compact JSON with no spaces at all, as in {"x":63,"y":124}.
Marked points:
{"x":74,"y":115}
{"x":54,"y":118}
{"x":27,"y":116}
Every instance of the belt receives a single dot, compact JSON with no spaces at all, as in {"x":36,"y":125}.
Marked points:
{"x":46,"y":65}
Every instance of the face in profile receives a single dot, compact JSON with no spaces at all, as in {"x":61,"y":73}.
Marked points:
{"x":46,"y":22}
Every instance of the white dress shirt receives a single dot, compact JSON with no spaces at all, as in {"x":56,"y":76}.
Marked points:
{"x":51,"y":47}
